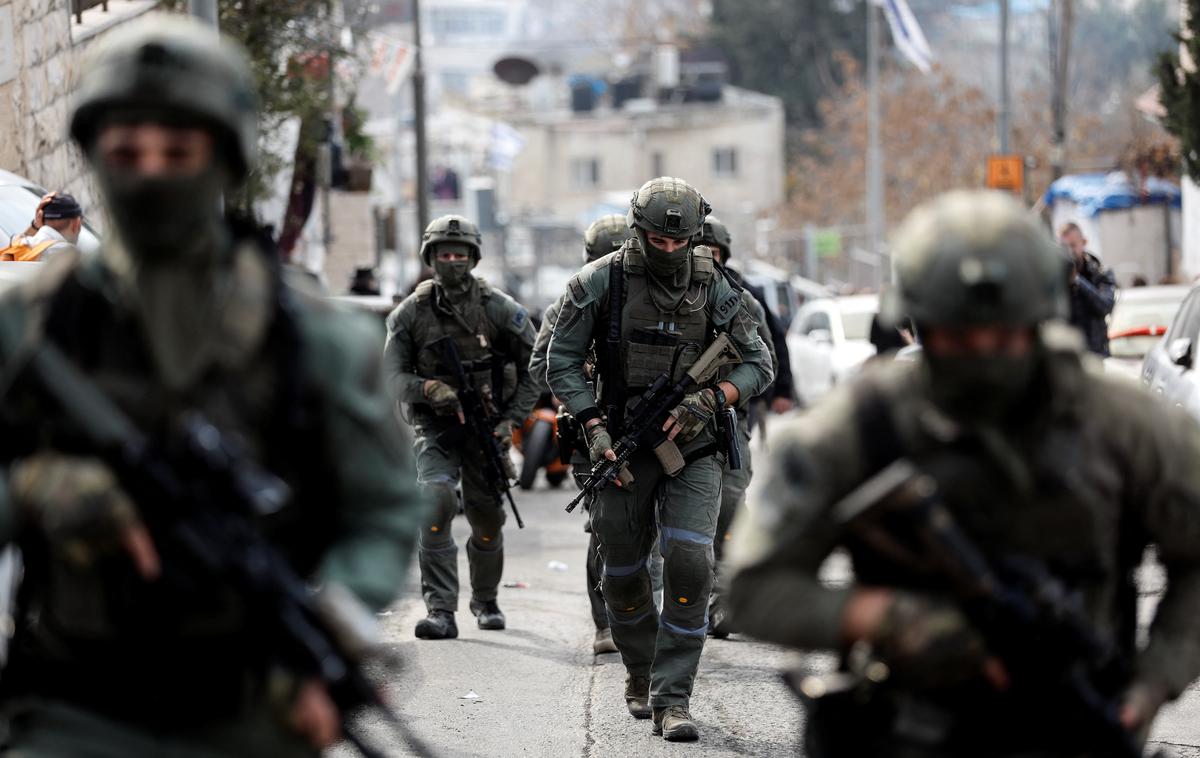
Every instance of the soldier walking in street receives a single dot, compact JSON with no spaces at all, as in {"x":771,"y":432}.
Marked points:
{"x":650,"y":311}
{"x":150,"y":396}
{"x":493,"y":336}
{"x":602,"y":237}
{"x":734,"y":482}
{"x":996,"y":496}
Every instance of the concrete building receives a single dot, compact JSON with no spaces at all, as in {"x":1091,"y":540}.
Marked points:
{"x":41,"y":44}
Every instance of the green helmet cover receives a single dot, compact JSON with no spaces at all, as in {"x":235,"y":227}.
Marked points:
{"x":605,"y":235}
{"x":668,"y":206}
{"x":450,"y":228}
{"x":976,"y":257}
{"x":173,"y":68}
{"x":714,"y":233}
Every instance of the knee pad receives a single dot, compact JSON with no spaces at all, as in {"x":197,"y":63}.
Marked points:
{"x":687,"y":583}
{"x":436,"y":531}
{"x":628,"y":594}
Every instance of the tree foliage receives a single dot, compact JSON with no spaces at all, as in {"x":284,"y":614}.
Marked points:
{"x":1181,"y":92}
{"x":789,"y":48}
{"x":281,"y":36}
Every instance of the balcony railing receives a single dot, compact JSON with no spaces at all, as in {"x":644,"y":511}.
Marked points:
{"x":79,"y":6}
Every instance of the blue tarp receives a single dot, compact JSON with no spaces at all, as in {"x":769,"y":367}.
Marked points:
{"x":1096,"y":193}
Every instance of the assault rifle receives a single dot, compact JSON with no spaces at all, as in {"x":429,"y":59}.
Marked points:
{"x":480,"y":425}
{"x":1056,"y":660}
{"x":201,"y":499}
{"x":643,"y":426}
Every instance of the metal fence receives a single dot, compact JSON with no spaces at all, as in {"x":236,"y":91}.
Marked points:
{"x":839,"y":257}
{"x":79,"y":6}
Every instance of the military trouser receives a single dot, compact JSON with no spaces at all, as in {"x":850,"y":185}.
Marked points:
{"x":439,"y":471}
{"x":595,"y":564}
{"x":41,"y":728}
{"x":682,"y":511}
{"x":733,"y":498}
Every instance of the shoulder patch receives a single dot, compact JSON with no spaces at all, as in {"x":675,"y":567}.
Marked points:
{"x":424,"y":290}
{"x":726,"y":307}
{"x":578,"y":291}
{"x":519,"y":320}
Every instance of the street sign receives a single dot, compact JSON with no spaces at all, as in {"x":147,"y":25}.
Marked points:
{"x":1006,"y":172}
{"x":828,"y":243}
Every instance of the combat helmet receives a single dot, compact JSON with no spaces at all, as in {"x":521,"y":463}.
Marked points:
{"x":605,"y":235}
{"x":714,"y":233}
{"x":450,"y":228}
{"x":976,"y":257}
{"x":173,"y":68}
{"x":667,"y":206}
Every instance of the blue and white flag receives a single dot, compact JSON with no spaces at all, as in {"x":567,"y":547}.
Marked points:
{"x":907,"y":34}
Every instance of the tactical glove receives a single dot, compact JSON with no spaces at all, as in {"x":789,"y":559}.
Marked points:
{"x":76,"y":502}
{"x":504,"y":430}
{"x":927,"y":643}
{"x":696,"y":411}
{"x":442,"y":398}
{"x":598,"y":440}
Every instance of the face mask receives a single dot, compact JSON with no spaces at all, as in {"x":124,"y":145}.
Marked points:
{"x":167,"y":219}
{"x":454,"y":276}
{"x":980,"y":389}
{"x":663,"y":264}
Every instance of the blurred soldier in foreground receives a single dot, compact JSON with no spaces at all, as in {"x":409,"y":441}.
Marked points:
{"x":492,"y":336}
{"x":650,"y":311}
{"x":605,"y":235}
{"x":139,"y":634}
{"x":995,"y":496}
{"x":734,"y":482}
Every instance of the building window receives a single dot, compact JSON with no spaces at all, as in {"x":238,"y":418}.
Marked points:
{"x":585,"y":173}
{"x":724,"y":161}
{"x":658,"y":165}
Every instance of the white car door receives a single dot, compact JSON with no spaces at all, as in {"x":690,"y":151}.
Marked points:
{"x":810,"y":343}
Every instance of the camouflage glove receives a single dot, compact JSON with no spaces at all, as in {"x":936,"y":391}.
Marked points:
{"x":442,"y":398}
{"x":504,"y":431}
{"x":598,"y":440}
{"x":694,"y":413}
{"x":76,"y":502}
{"x":927,"y":643}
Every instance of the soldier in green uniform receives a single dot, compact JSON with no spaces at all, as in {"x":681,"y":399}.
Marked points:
{"x":123,"y":648}
{"x":648,"y":309}
{"x":1036,"y":453}
{"x":734,"y":482}
{"x":494,"y":337}
{"x":602,"y":237}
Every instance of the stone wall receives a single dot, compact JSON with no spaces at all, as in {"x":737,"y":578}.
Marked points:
{"x":49,"y":46}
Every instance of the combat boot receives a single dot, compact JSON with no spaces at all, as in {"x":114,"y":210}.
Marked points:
{"x":438,"y":625}
{"x":487,"y":614}
{"x":675,"y":724}
{"x":603,"y":643}
{"x":637,"y":695}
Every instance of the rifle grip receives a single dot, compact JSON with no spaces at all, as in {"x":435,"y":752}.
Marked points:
{"x":624,"y":476}
{"x":669,"y":458}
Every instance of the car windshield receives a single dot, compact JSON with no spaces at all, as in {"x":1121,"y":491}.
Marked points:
{"x":857,"y":324}
{"x":1137,"y":325}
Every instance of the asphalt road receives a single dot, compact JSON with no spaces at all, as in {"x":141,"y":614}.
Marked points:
{"x":535,"y":689}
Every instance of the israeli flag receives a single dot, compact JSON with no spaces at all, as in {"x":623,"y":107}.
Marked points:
{"x":907,"y":34}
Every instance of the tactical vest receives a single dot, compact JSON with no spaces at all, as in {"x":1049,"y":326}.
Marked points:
{"x":653,"y":340}
{"x":472,"y":331}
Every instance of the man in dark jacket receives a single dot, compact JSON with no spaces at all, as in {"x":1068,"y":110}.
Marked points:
{"x":1093,"y":291}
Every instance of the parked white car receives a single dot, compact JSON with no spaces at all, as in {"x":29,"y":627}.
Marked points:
{"x":1169,"y":370}
{"x":1138,"y":321}
{"x":829,"y":341}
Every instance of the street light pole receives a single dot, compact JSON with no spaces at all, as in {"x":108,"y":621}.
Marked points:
{"x":875,"y":197}
{"x":419,"y":126}
{"x":204,"y":10}
{"x":1005,"y":106}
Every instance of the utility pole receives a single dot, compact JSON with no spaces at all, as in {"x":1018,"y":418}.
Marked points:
{"x":1062,"y":16}
{"x":1005,"y":105}
{"x":419,"y":126}
{"x":875,"y":199}
{"x":204,"y":10}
